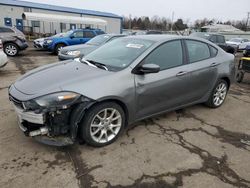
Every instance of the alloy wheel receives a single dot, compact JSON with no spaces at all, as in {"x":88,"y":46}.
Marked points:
{"x":11,"y":50}
{"x":105,"y":125}
{"x":220,"y":94}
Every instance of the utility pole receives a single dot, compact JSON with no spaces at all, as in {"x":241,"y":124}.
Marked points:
{"x":130,"y":17}
{"x":248,"y":16}
{"x":172,"y":22}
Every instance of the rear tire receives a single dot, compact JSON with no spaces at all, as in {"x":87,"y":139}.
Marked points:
{"x":218,"y":95}
{"x":11,"y":49}
{"x":102,"y":124}
{"x":58,"y":48}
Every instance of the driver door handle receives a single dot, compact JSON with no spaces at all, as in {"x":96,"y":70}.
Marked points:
{"x":182,"y":73}
{"x":214,"y":64}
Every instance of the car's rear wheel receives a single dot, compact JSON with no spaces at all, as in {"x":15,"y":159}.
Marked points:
{"x":11,"y":49}
{"x":102,"y":124}
{"x":218,"y":94}
{"x":58,"y":48}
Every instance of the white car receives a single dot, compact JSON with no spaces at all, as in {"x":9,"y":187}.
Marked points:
{"x":38,"y":43}
{"x":243,"y":46}
{"x":235,"y":42}
{"x":3,"y":56}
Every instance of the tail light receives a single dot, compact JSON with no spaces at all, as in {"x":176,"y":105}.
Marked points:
{"x":1,"y":44}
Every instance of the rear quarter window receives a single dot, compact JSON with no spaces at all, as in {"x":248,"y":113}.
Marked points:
{"x":88,"y":34}
{"x":197,"y":51}
{"x":213,"y":51}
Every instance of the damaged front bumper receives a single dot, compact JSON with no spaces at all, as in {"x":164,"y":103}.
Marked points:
{"x":57,"y":127}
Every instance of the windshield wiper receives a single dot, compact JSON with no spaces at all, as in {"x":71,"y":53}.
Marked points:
{"x":97,"y":64}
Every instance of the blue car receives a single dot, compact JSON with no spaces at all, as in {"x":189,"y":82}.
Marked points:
{"x":72,"y":37}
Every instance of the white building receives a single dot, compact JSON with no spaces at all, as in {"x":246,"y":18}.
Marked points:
{"x":215,"y":28}
{"x":44,"y":18}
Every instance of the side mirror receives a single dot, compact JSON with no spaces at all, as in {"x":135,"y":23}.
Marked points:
{"x":72,"y":36}
{"x":148,"y":68}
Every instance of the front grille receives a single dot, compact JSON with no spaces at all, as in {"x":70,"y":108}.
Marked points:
{"x":16,"y":102}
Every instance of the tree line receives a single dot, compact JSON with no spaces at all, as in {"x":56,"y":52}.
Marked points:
{"x":165,"y":24}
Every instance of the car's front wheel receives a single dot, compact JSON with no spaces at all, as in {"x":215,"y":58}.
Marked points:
{"x":218,"y":94}
{"x":11,"y":49}
{"x":102,"y":124}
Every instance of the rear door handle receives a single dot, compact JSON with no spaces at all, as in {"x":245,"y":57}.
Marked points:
{"x":214,"y":64}
{"x":182,"y":73}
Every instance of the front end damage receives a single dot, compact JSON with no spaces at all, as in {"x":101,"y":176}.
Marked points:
{"x":53,"y":125}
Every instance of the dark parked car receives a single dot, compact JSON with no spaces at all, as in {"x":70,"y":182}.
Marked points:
{"x":13,"y":40}
{"x":123,"y":81}
{"x":71,"y":52}
{"x":72,"y":37}
{"x":217,"y":39}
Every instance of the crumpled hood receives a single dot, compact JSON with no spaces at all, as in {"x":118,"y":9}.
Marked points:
{"x":53,"y":77}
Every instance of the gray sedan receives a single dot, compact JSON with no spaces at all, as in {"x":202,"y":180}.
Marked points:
{"x":123,"y":81}
{"x":76,"y":51}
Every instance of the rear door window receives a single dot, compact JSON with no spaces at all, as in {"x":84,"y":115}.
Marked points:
{"x":167,"y":56}
{"x":213,"y":51}
{"x":197,"y":51}
{"x":88,"y":34}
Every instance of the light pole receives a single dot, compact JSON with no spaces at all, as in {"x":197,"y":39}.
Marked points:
{"x":172,"y":22}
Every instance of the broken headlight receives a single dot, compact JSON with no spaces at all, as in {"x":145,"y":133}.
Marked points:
{"x":62,"y":99}
{"x":55,"y":100}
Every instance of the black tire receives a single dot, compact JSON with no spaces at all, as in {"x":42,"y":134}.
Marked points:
{"x":239,"y":76}
{"x":58,"y":48}
{"x":89,"y":117}
{"x":11,"y":49}
{"x":210,"y":102}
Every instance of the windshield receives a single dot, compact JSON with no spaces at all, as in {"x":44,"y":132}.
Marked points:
{"x":119,"y":53}
{"x":67,"y":34}
{"x":60,"y":35}
{"x":98,"y":40}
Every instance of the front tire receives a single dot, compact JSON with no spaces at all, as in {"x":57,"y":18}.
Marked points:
{"x":103,"y":124}
{"x":218,"y":94}
{"x":11,"y":49}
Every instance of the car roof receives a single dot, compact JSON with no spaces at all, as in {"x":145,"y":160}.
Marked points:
{"x":155,"y":38}
{"x":164,"y":38}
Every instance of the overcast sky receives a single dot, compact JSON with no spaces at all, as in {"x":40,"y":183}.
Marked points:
{"x":221,"y":10}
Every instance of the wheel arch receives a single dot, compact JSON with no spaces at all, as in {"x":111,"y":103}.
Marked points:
{"x":10,"y":42}
{"x":225,"y":78}
{"x":120,"y":103}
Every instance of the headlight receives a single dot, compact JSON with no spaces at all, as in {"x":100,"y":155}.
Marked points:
{"x":74,"y":53}
{"x":62,"y":99}
{"x":49,"y":41}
